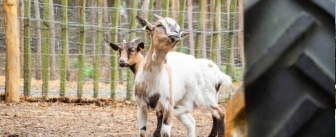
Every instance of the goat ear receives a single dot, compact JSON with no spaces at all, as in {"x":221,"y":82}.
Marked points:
{"x":184,"y":34}
{"x":157,"y":17}
{"x":140,"y":46}
{"x":144,"y":23}
{"x":114,"y":46}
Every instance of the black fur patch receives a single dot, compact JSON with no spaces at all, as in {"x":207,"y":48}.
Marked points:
{"x":218,"y":86}
{"x":133,"y":69}
{"x":143,"y":128}
{"x":159,"y":115}
{"x":153,"y":100}
{"x":213,"y":132}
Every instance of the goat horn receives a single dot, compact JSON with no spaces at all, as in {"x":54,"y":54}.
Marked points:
{"x":136,"y":39}
{"x":158,"y":17}
{"x":124,"y":41}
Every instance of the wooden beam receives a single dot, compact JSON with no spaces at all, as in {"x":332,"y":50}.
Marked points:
{"x":12,"y":52}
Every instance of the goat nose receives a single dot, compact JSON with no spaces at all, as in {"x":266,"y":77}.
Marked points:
{"x":122,"y":63}
{"x":174,"y":38}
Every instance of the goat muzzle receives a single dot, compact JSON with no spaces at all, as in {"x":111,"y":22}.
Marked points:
{"x":174,"y":38}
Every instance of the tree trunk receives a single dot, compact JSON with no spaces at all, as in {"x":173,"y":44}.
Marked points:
{"x":38,"y":41}
{"x":64,"y":59}
{"x":27,"y":50}
{"x":181,"y":19}
{"x":98,"y":50}
{"x":190,"y":27}
{"x":81,"y":59}
{"x":10,"y":8}
{"x":45,"y":49}
{"x":114,"y":54}
{"x":52,"y":41}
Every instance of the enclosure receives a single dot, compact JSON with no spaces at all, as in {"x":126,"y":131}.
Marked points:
{"x":69,"y":73}
{"x":64,"y":48}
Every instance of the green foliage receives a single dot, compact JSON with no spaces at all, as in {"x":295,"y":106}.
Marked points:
{"x":238,"y":72}
{"x":87,"y":69}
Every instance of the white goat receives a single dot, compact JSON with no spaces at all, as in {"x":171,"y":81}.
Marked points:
{"x":130,"y":56}
{"x":175,"y":80}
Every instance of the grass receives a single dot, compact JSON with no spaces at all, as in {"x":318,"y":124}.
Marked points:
{"x":237,"y":70}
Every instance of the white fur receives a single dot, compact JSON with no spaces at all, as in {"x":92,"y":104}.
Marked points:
{"x":194,"y":82}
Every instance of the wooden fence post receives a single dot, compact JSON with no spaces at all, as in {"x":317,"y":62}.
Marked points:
{"x":181,"y":19}
{"x":230,"y":69}
{"x":200,"y":27}
{"x":216,"y":41}
{"x":241,"y":34}
{"x":27,"y":50}
{"x":132,"y":36}
{"x":12,"y":52}
{"x":190,"y":27}
{"x":38,"y":57}
{"x":114,"y":54}
{"x":52,"y":37}
{"x":98,"y":49}
{"x":65,"y":36}
{"x":81,"y":59}
{"x":45,"y":49}
{"x":165,"y":8}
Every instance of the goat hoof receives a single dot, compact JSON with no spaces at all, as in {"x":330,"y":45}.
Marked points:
{"x":165,"y":135}
{"x":156,"y":134}
{"x":143,"y":133}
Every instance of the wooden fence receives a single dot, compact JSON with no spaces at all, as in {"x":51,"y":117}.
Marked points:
{"x":64,"y":44}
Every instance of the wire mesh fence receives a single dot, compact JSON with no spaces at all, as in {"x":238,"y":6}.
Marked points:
{"x":229,"y":44}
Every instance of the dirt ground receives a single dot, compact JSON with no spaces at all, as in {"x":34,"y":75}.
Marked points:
{"x":116,"y":119}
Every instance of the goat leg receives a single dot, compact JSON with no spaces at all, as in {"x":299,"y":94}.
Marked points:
{"x":159,"y":115}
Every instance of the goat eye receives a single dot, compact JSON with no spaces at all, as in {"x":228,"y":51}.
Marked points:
{"x":159,"y":25}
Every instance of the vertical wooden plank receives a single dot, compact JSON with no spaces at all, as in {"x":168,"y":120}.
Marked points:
{"x":12,"y":50}
{"x":27,"y":50}
{"x":98,"y":50}
{"x":190,"y":27}
{"x":38,"y":61}
{"x":65,"y":46}
{"x":45,"y":49}
{"x":114,"y":54}
{"x":181,"y":19}
{"x":81,"y":59}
